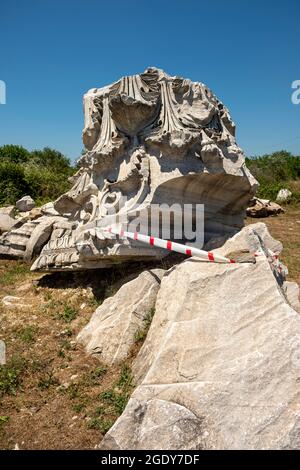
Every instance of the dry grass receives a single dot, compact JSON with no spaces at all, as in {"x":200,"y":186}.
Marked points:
{"x":52,"y":395}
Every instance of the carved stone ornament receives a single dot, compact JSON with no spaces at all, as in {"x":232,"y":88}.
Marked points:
{"x":149,"y":139}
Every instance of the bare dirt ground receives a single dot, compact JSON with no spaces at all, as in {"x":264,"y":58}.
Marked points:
{"x":52,"y":395}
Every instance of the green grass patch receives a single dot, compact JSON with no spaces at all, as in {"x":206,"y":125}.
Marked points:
{"x":67,"y":332}
{"x":96,"y":375}
{"x":101,"y":424}
{"x":3,"y":420}
{"x":68,"y":314}
{"x":11,"y":376}
{"x":141,"y":334}
{"x":73,"y":391}
{"x":65,"y":347}
{"x":125,"y":378}
{"x":14,"y":273}
{"x":47,"y":380}
{"x":78,"y":407}
{"x":118,"y":396}
{"x":27,"y":334}
{"x":118,"y":400}
{"x":94,"y":302}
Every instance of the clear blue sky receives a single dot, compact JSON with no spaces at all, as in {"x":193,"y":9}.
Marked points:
{"x":52,"y":51}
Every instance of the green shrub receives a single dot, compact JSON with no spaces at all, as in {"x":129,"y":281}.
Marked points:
{"x":14,"y":153}
{"x":274,"y":172}
{"x":41,"y":174}
{"x":13,"y":184}
{"x":270,"y":190}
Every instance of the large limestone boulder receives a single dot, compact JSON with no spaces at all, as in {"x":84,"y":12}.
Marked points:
{"x":111,"y":331}
{"x":292,"y":292}
{"x":25,"y":204}
{"x":8,"y":210}
{"x":6,"y":222}
{"x":48,"y":209}
{"x":220,"y":366}
{"x":283,"y":195}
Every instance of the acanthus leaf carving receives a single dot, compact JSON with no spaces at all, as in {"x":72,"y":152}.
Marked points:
{"x":150,"y":138}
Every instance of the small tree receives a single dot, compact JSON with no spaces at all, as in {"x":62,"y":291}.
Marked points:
{"x":14,"y":153}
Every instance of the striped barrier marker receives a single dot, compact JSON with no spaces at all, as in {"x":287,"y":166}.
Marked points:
{"x":171,"y":246}
{"x":272,"y":257}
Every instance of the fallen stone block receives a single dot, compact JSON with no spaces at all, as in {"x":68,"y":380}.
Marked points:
{"x":220,"y":365}
{"x":112,"y":330}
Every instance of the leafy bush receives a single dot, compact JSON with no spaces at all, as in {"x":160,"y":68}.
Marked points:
{"x":41,"y":174}
{"x":14,"y":153}
{"x":274,"y":172}
{"x":13,"y":184}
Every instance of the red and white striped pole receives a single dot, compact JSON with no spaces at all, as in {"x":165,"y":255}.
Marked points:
{"x":171,"y":246}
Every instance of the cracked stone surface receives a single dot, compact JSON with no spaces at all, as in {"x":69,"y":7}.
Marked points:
{"x":220,"y":365}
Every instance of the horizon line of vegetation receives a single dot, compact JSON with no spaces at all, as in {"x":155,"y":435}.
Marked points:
{"x":44,"y":174}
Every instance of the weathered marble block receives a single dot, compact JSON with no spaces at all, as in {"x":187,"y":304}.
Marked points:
{"x":150,"y":139}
